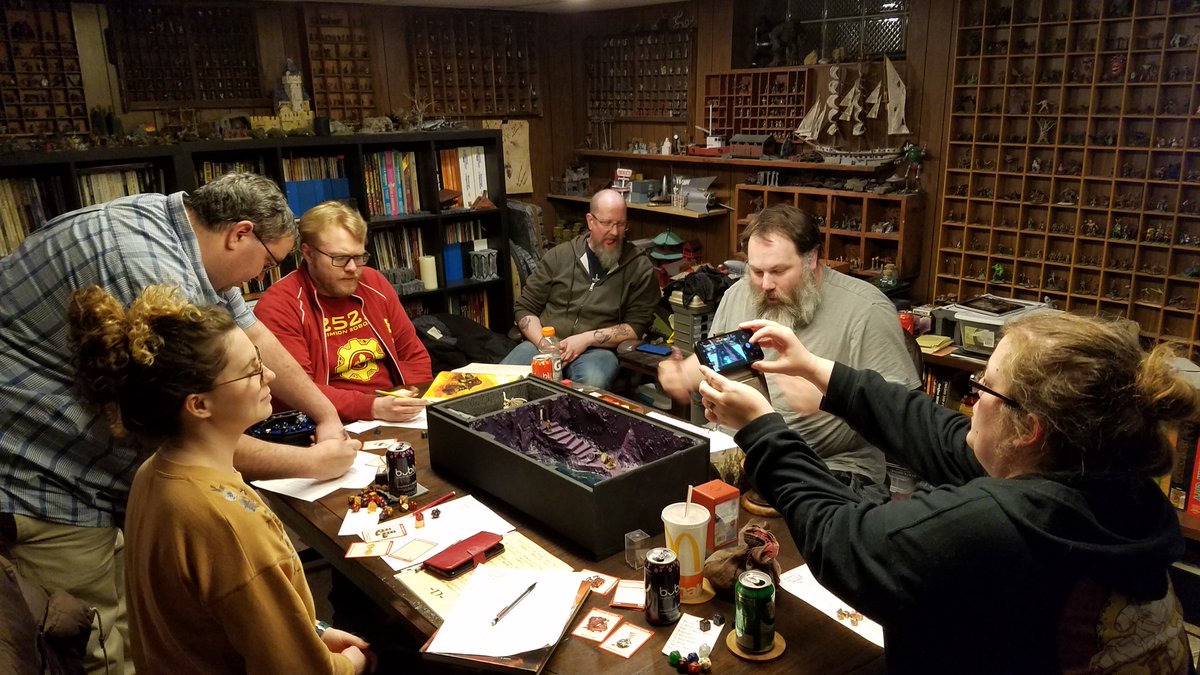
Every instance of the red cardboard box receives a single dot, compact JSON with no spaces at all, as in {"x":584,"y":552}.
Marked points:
{"x":721,"y":500}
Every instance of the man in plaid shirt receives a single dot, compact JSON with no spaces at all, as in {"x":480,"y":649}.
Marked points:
{"x":64,"y":478}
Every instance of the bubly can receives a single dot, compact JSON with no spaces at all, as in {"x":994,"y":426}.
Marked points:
{"x":543,"y":366}
{"x":662,"y":587}
{"x":754,"y":611}
{"x":402,"y":469}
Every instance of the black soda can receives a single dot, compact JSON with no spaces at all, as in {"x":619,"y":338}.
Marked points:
{"x":402,"y":469}
{"x":662,"y":587}
{"x":754,"y":611}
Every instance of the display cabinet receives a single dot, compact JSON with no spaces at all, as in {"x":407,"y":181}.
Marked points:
{"x":1072,"y":160}
{"x":338,"y":57}
{"x":161,"y":64}
{"x":756,"y":101}
{"x":867,"y":231}
{"x":640,"y":76}
{"x":41,"y":89}
{"x":468,"y":65}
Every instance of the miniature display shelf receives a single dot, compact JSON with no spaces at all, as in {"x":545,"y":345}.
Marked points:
{"x":160,"y":67}
{"x":666,"y":210}
{"x":339,"y":61}
{"x":640,"y":76}
{"x":41,"y":88}
{"x":1073,"y":160}
{"x":864,"y":229}
{"x":731,"y":161}
{"x":755,"y":101}
{"x":466,"y":64}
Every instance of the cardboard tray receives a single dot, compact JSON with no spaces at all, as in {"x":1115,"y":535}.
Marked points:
{"x":596,"y":517}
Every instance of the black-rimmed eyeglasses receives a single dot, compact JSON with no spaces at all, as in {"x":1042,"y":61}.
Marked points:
{"x":274,"y":262}
{"x":343,"y":260}
{"x":977,"y":385}
{"x":257,"y":371}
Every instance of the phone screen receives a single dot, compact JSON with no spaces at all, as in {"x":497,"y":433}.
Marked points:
{"x":728,"y":352}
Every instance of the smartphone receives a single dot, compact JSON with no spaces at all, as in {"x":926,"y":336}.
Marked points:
{"x":654,"y":349}
{"x":729,"y":352}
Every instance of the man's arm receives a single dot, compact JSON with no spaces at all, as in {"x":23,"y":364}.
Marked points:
{"x":294,"y":385}
{"x":260,"y":460}
{"x":679,"y":376}
{"x":604,"y":338}
{"x":531,"y":327}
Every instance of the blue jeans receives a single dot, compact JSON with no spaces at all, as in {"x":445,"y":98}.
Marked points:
{"x":595,"y":367}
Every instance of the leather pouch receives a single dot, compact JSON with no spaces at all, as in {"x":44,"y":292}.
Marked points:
{"x":465,"y":555}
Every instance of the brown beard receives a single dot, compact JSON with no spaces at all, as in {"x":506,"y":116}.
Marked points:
{"x":795,"y":308}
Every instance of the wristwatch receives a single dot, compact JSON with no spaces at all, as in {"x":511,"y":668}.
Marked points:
{"x":322,"y":626}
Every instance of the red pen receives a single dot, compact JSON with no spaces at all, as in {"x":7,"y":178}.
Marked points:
{"x":439,"y":500}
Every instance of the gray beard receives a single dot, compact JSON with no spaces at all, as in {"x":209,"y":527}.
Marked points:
{"x":608,"y":259}
{"x":796,"y":310}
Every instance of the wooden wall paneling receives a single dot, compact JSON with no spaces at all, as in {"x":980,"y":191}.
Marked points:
{"x":273,"y":24}
{"x":391,"y":64}
{"x":929,"y":73}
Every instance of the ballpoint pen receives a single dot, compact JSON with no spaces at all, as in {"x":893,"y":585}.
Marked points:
{"x":403,"y":393}
{"x":513,"y":604}
{"x":439,"y":500}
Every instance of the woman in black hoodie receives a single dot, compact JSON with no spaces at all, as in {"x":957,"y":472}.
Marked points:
{"x":1045,"y":545}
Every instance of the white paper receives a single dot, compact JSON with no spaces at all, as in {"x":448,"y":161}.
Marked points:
{"x":494,"y":369}
{"x":418,"y":422}
{"x":538,"y":620}
{"x":687,"y":636}
{"x":458,"y":519}
{"x":355,"y":523}
{"x":718,"y":441}
{"x":360,"y":474}
{"x":801,"y":583}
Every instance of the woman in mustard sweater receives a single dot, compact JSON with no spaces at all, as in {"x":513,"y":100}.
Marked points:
{"x":213,"y":583}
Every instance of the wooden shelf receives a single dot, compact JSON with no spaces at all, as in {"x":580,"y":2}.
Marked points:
{"x":665,"y":210}
{"x":778,"y":164}
{"x":1106,"y":222}
{"x":904,"y":211}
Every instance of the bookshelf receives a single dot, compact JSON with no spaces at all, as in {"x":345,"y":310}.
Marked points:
{"x":62,"y":177}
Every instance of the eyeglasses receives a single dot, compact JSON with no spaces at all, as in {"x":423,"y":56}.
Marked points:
{"x":257,"y":371}
{"x":978,"y":385}
{"x":343,"y":260}
{"x":609,"y":224}
{"x":274,"y":262}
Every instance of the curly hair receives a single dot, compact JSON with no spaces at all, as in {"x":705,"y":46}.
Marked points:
{"x":137,"y":366}
{"x":1103,"y":401}
{"x":243,"y":196}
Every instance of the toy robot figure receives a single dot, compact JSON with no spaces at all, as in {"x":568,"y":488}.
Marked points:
{"x":912,"y":158}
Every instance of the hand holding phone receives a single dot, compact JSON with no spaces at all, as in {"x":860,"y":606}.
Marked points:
{"x":729,"y":352}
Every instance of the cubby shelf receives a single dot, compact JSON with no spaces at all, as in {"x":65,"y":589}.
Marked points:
{"x":1072,"y":160}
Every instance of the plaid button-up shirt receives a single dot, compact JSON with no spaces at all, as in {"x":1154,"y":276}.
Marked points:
{"x":58,"y":461}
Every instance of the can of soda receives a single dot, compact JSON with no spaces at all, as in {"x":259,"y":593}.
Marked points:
{"x":543,"y":366}
{"x":662,"y":587}
{"x":754,"y":611}
{"x":402,"y":469}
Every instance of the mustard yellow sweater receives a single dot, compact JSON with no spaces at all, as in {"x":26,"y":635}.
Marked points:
{"x":214,"y":585}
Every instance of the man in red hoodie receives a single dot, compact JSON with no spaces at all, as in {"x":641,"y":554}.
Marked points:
{"x":343,"y":321}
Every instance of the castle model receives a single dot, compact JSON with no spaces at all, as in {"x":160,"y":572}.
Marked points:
{"x":291,"y":105}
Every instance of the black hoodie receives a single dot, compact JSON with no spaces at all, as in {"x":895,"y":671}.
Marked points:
{"x":981,"y":574}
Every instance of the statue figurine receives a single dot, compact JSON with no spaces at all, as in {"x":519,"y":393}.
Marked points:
{"x":666,"y":146}
{"x":913,"y":156}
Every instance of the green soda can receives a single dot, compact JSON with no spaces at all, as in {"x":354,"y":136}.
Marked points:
{"x":754,"y":611}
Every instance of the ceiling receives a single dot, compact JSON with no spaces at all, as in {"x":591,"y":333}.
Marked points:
{"x":549,"y":6}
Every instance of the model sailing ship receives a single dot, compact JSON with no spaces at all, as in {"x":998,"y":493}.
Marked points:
{"x":826,"y":117}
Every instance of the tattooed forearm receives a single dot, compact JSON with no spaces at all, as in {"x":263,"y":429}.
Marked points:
{"x":524,"y":322}
{"x":605,"y":337}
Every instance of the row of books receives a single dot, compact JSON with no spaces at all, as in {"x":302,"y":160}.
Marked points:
{"x":1183,"y":484}
{"x":302,"y":195}
{"x":209,"y":171}
{"x":97,"y":187}
{"x":939,"y":387}
{"x":23,"y":203}
{"x":392,"y":185}
{"x":472,"y":305}
{"x":313,"y":168}
{"x":398,"y":247}
{"x":463,"y":170}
